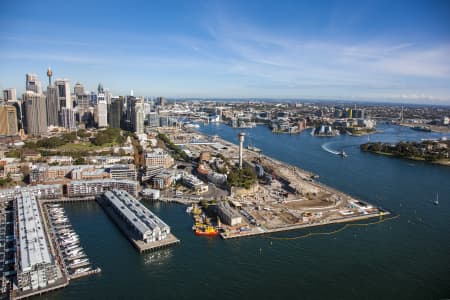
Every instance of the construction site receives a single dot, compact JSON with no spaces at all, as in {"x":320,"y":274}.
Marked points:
{"x":283,"y":197}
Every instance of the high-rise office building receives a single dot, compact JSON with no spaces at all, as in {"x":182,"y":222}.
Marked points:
{"x":138,"y":116}
{"x":35,"y":112}
{"x":108,"y":96}
{"x":115,"y":114}
{"x":64,"y":97}
{"x":161,"y":101}
{"x":8,"y":120}
{"x":9,"y":95}
{"x":128,"y":113}
{"x":32,"y":83}
{"x":52,"y":106}
{"x":101,"y":112}
{"x":67,"y":118}
{"x":19,"y":112}
{"x":83,"y":101}
{"x":93,"y":98}
{"x":78,"y":89}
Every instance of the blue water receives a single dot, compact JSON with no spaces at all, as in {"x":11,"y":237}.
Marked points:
{"x":406,"y":258}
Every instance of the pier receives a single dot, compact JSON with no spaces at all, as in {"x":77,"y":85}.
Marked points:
{"x":264,"y":231}
{"x":137,"y":227}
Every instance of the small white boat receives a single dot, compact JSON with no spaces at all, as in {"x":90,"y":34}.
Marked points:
{"x":81,"y":270}
{"x":436,"y":201}
{"x":77,"y":262}
{"x":343,"y":154}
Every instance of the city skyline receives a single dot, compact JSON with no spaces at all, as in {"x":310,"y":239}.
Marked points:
{"x":354,"y":51}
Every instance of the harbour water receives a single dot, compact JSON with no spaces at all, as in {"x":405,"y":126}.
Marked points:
{"x":405,"y":258}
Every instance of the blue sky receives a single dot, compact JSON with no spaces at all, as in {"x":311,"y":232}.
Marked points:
{"x":349,"y":50}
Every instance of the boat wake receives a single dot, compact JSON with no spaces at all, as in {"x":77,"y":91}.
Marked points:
{"x":328,"y":149}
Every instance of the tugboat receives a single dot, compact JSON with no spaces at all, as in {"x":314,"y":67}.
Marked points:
{"x":206,"y":230}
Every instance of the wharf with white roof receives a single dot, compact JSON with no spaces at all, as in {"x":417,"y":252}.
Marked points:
{"x":143,"y":228}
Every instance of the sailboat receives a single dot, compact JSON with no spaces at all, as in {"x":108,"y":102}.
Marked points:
{"x":436,"y":202}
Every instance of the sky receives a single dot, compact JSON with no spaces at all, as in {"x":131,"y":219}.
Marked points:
{"x":397,"y":51}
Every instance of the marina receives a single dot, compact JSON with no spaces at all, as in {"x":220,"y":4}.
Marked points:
{"x":75,"y":261}
{"x":45,"y":255}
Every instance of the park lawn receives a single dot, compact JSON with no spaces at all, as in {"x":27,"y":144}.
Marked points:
{"x":86,"y":146}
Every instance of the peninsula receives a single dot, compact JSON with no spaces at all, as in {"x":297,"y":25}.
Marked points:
{"x":432,"y":151}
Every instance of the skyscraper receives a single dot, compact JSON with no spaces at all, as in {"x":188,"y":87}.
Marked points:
{"x":52,"y":101}
{"x":83,"y":101}
{"x":108,"y":96}
{"x":78,"y":89}
{"x":8,"y":120}
{"x":35,"y":113}
{"x":116,"y":113}
{"x":67,"y":118}
{"x":101,"y":112}
{"x":64,"y":97}
{"x":161,"y":101}
{"x":138,"y":116}
{"x":52,"y":106}
{"x":93,"y":98}
{"x":32,"y":83}
{"x":9,"y":95}
{"x":19,"y":111}
{"x":129,"y":115}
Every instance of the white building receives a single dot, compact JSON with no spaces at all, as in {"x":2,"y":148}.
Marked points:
{"x":101,"y":111}
{"x":138,"y":116}
{"x":36,"y":266}
{"x":227,"y":214}
{"x":145,"y":223}
{"x":67,"y":118}
{"x":63,"y":91}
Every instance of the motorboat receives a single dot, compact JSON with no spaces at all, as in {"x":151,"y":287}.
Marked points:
{"x":81,"y":270}
{"x":343,"y":154}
